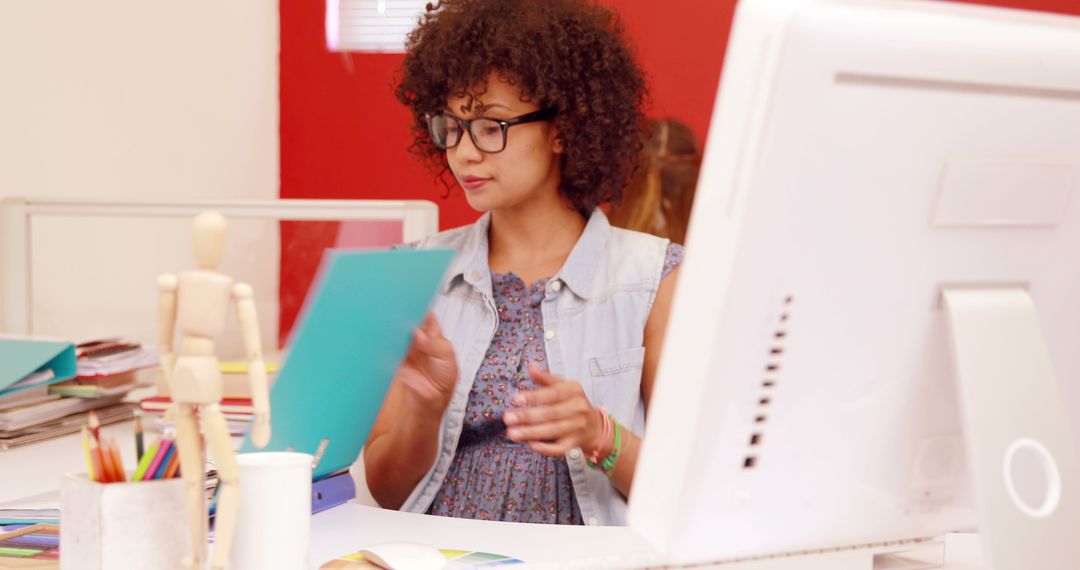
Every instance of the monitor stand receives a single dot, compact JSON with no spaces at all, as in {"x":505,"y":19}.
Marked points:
{"x":922,"y":556}
{"x":916,"y":554}
{"x":927,"y":554}
{"x":1024,"y":464}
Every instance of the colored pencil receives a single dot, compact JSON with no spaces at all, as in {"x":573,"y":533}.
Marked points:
{"x":144,"y":463}
{"x":107,"y":460}
{"x":118,"y":462}
{"x":95,"y":456}
{"x":160,"y":473}
{"x":319,"y":451}
{"x":174,"y":466}
{"x":95,"y":426}
{"x":138,"y":436}
{"x":163,"y":448}
{"x":86,"y":452}
{"x":107,"y":457}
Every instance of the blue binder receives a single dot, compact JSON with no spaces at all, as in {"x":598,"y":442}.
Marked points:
{"x":21,"y":357}
{"x":353,"y":334}
{"x":331,"y":491}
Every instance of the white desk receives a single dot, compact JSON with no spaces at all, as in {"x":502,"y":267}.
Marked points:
{"x":38,"y":468}
{"x":347,"y":528}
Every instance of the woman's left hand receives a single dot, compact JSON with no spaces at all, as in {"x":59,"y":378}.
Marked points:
{"x":554,"y":418}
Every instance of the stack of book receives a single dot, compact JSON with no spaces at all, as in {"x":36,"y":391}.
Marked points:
{"x":43,"y":508}
{"x":27,"y":391}
{"x":48,"y":387}
{"x":56,"y":416}
{"x":235,"y":403}
{"x":106,"y":368}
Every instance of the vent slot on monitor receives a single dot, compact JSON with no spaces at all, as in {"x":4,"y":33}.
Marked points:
{"x":769,"y":383}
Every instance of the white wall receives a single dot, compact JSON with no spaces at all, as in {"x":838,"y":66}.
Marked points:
{"x":136,"y":99}
{"x":80,"y":294}
{"x":139,"y":98}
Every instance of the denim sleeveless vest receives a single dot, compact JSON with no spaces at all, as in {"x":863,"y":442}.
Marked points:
{"x":595,"y":310}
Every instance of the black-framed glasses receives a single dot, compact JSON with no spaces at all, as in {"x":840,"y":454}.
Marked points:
{"x":487,"y":134}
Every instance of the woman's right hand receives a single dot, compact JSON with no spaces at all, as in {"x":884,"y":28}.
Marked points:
{"x":430,"y":370}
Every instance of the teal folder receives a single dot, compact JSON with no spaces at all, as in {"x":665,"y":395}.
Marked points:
{"x":21,"y":357}
{"x":353,"y":334}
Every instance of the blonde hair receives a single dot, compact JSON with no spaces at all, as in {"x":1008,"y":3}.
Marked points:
{"x":659,"y":196}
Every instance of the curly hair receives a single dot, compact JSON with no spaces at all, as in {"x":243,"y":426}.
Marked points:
{"x":568,"y":55}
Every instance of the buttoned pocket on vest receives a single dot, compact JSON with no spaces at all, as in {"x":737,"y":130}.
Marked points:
{"x":616,"y":382}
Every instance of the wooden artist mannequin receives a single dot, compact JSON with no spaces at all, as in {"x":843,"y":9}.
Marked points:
{"x":196,"y":302}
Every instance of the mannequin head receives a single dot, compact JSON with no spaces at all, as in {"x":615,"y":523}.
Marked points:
{"x":209,"y":231}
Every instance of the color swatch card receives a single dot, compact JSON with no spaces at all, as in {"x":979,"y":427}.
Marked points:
{"x":353,"y":334}
{"x":455,"y":560}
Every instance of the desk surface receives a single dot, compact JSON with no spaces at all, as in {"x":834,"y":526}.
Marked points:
{"x":349,"y":527}
{"x":38,"y":468}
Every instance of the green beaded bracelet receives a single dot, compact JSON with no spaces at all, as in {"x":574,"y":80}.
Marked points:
{"x":608,"y":464}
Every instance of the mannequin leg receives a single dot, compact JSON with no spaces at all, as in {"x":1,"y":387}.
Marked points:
{"x":228,"y":505}
{"x":189,"y":446}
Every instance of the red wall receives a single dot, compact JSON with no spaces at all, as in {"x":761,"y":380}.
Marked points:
{"x":1061,"y":6}
{"x":343,"y":135}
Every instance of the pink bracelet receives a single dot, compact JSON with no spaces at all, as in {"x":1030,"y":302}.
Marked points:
{"x":604,"y":441}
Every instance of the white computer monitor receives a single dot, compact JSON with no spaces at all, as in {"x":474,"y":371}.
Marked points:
{"x":864,"y":156}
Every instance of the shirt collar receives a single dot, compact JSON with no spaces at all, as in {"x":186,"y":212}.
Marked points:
{"x":472,"y":265}
{"x":579,"y":270}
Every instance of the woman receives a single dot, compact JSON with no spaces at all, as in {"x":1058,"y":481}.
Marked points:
{"x":523,"y":394}
{"x":659,"y":197}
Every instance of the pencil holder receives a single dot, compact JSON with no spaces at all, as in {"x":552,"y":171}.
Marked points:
{"x":134,"y":525}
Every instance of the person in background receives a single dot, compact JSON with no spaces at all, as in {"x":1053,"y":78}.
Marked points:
{"x":524,"y":393}
{"x":659,"y":196}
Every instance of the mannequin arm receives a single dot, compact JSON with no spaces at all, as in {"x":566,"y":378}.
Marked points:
{"x":260,"y":397}
{"x":166,"y":320}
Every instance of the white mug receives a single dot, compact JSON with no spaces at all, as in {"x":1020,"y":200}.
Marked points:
{"x":273,"y":529}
